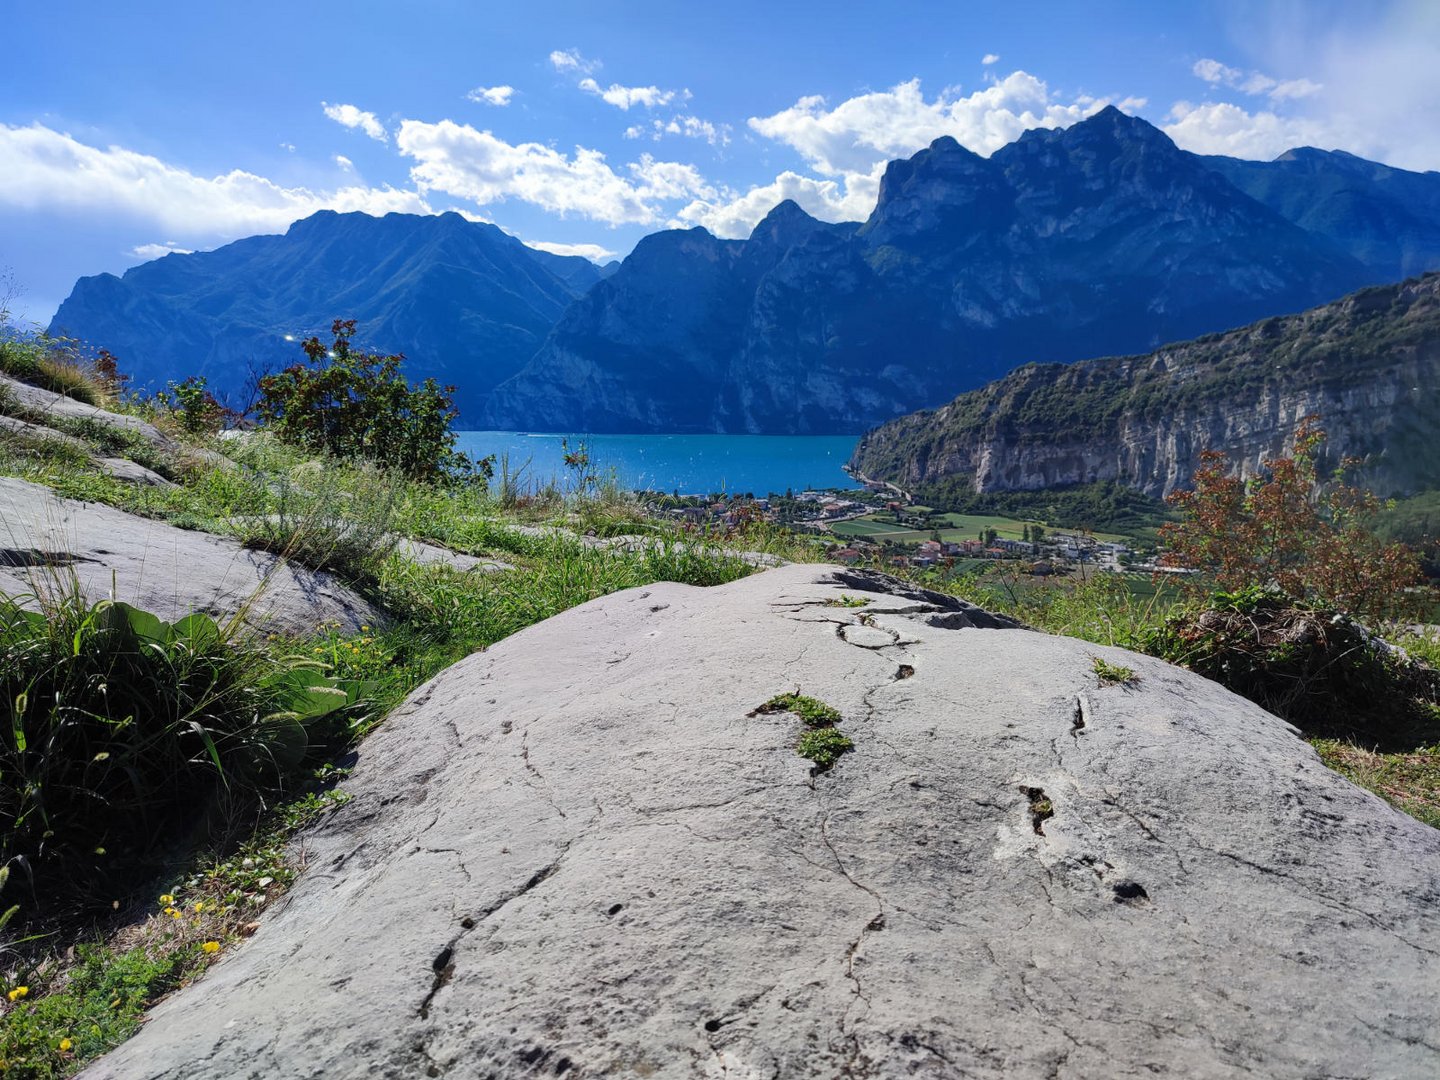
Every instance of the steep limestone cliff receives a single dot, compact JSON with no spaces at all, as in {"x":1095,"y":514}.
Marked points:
{"x":1368,"y":365}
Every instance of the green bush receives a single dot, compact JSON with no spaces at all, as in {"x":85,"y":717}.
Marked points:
{"x":354,"y":404}
{"x":191,"y":404}
{"x":123,"y":736}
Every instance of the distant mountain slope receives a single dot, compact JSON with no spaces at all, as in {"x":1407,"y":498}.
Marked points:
{"x":466,"y":302}
{"x":1099,"y":238}
{"x":1387,"y":218}
{"x":1368,"y":364}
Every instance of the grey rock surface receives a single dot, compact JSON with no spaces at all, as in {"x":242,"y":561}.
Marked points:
{"x":132,"y":472}
{"x":14,"y":426}
{"x":155,"y":566}
{"x":583,"y":853}
{"x":434,"y":555}
{"x":47,"y":402}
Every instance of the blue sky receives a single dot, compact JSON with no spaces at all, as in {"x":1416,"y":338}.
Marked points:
{"x":127,"y":130}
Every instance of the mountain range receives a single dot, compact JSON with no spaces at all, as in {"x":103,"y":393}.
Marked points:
{"x":1367,"y":365}
{"x":465,"y":301}
{"x":1101,"y":238}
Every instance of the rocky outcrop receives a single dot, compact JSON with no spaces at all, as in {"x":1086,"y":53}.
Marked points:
{"x":1097,"y":239}
{"x":49,"y":544}
{"x":466,"y":302}
{"x":590,"y":851}
{"x":1368,"y":366}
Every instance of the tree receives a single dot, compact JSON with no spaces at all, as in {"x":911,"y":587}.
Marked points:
{"x":356,"y":404}
{"x":1286,"y":530}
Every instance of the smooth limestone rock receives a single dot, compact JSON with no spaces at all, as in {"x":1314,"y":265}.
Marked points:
{"x":44,"y":539}
{"x":40,"y":401}
{"x":584,"y":853}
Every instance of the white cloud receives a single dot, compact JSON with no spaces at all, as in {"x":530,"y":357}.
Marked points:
{"x":492,"y":95}
{"x":735,"y":216}
{"x":990,"y":58}
{"x":352,"y":117}
{"x":476,"y":165}
{"x":883,"y":125}
{"x":571,"y":60}
{"x":156,"y":251}
{"x":1223,"y":128}
{"x":622,"y":97}
{"x":1212,"y":71}
{"x":49,"y":170}
{"x":1255,"y":83}
{"x":691,"y":127}
{"x":1294,"y":88}
{"x":288,"y":146}
{"x":593,"y":252}
{"x":665,"y":180}
{"x":344,"y":162}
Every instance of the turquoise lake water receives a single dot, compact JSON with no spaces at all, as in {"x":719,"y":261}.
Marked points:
{"x":690,"y":464}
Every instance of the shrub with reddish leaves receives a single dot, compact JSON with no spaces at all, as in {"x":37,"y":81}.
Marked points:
{"x":1284,"y":529}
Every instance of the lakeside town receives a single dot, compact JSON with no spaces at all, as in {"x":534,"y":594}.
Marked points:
{"x":879,"y":526}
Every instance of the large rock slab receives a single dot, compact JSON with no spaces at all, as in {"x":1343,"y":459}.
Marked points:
{"x":583,"y":853}
{"x":44,"y":539}
{"x":46,"y":403}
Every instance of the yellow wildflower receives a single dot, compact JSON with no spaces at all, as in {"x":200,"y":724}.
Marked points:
{"x":199,"y":905}
{"x":174,"y":913}
{"x":18,"y":993}
{"x":211,"y":946}
{"x":65,"y":1045}
{"x":167,"y":899}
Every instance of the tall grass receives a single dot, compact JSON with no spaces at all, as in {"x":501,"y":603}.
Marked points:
{"x":123,"y":736}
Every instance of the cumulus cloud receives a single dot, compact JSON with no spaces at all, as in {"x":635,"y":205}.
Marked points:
{"x":734,"y":216}
{"x":492,"y":95}
{"x":155,"y":251}
{"x":50,"y":170}
{"x":352,"y":117}
{"x":344,"y":162}
{"x":593,"y":252}
{"x":990,"y":58}
{"x":622,"y":97}
{"x":476,"y":165}
{"x":1254,"y":83}
{"x":893,"y":123}
{"x":571,"y":60}
{"x":1223,"y":128}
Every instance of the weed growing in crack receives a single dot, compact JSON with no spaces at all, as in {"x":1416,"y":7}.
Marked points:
{"x":824,"y":746}
{"x":813,"y":711}
{"x":1113,"y":674}
{"x":823,"y":743}
{"x":1041,"y":808}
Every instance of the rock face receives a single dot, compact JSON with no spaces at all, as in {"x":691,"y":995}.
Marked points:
{"x":584,"y":853}
{"x":171,"y":572}
{"x":1097,"y":239}
{"x":466,"y":302}
{"x":1368,"y":366}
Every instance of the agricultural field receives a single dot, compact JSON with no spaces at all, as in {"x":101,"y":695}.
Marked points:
{"x":882,"y":527}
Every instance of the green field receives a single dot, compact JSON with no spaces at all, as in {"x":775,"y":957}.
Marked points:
{"x":952,"y":528}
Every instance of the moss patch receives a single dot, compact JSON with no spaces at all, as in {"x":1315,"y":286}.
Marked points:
{"x":823,"y":743}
